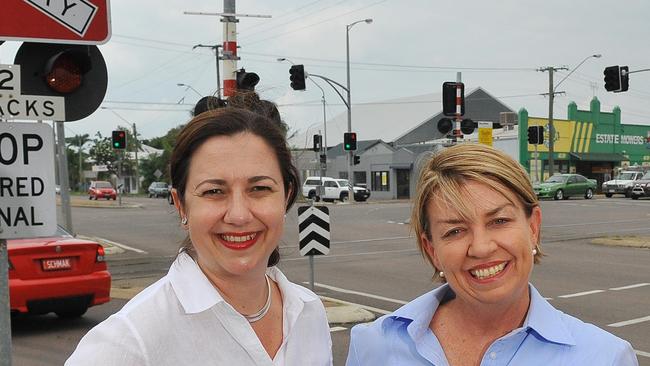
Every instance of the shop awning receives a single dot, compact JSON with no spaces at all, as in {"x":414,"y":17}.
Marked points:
{"x":598,"y":156}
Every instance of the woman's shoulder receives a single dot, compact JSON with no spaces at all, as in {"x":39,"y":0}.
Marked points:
{"x":589,"y":334}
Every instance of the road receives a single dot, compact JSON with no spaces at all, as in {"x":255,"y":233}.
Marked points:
{"x":374,"y":262}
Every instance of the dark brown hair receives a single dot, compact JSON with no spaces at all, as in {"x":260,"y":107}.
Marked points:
{"x":230,"y":121}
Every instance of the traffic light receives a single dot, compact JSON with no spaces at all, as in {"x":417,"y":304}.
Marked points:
{"x":119,"y":139}
{"x":350,"y":141}
{"x":357,"y":159}
{"x":535,"y":135}
{"x":317,"y":143}
{"x":449,"y":98}
{"x":246,"y":80}
{"x":445,"y":125}
{"x":625,"y":78}
{"x":467,"y":126}
{"x":297,"y":77}
{"x":75,"y":72}
{"x":612,"y":78}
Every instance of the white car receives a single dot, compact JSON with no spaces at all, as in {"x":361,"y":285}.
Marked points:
{"x":621,"y":184}
{"x":335,"y":189}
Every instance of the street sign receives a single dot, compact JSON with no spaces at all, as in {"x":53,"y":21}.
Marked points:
{"x":14,"y":105}
{"x":314,"y":230}
{"x":99,"y":168}
{"x":485,"y":133}
{"x":27,"y":185}
{"x":56,"y":21}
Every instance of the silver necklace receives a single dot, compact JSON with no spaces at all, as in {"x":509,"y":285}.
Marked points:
{"x":252,"y":318}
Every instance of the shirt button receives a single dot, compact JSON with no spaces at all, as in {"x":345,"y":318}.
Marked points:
{"x":493,"y":355}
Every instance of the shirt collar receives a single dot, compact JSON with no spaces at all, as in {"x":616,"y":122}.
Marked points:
{"x":418,"y":313}
{"x":542,"y":317}
{"x":547,"y":321}
{"x":197,"y":294}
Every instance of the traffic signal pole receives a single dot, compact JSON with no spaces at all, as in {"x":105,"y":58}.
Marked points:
{"x":63,"y":176}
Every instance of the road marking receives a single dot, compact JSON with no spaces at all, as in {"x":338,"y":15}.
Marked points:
{"x":369,"y":308}
{"x":352,"y":255}
{"x":630,"y":286}
{"x":641,"y":353}
{"x":581,"y":294}
{"x":345,"y":291}
{"x":368,"y":240}
{"x":336,"y":329}
{"x":630,"y":322}
{"x":125,"y":247}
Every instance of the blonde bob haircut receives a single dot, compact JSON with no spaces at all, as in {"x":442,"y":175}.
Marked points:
{"x":444,"y":176}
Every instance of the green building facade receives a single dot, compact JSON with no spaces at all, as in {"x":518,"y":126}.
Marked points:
{"x":592,"y":143}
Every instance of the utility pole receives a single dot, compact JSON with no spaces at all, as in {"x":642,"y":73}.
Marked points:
{"x":551,"y":129}
{"x":215,"y":48}
{"x":137,"y":163}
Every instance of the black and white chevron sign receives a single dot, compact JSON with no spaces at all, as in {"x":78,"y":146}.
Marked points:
{"x":314,"y":230}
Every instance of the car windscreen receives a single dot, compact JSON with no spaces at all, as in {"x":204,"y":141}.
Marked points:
{"x":626,"y":176}
{"x":103,"y":185}
{"x":160,"y":185}
{"x":556,"y":179}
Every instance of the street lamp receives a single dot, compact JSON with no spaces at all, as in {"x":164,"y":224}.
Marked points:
{"x":598,"y":55}
{"x":188,"y":86}
{"x":324,"y":147}
{"x":347,"y":52}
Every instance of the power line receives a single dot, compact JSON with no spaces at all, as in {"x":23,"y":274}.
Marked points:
{"x":276,"y":36}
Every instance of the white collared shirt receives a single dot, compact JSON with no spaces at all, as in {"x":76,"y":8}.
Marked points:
{"x":182,"y":320}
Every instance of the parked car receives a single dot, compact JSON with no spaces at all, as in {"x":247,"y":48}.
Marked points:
{"x":641,"y":187}
{"x":563,"y":186}
{"x":622,"y":183}
{"x":57,"y":274}
{"x":335,"y":189}
{"x":101,"y":189}
{"x":158,"y":189}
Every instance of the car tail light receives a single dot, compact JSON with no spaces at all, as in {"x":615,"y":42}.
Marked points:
{"x":100,"y":254}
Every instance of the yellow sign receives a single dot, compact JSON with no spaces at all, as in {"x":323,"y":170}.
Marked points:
{"x":485,"y":133}
{"x":570,"y":136}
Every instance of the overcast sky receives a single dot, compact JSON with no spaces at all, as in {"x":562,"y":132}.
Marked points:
{"x":410,"y":49}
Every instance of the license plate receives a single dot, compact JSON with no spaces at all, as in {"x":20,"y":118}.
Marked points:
{"x":611,"y":191}
{"x":56,"y":264}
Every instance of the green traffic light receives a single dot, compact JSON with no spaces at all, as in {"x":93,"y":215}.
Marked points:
{"x":347,"y":146}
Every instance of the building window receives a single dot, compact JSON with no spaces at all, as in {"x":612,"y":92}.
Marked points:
{"x":380,"y":181}
{"x":360,"y":179}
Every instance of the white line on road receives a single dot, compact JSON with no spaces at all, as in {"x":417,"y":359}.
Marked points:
{"x":375,"y":239}
{"x":630,"y":286}
{"x":641,"y":353}
{"x":581,"y":294}
{"x":353,"y":254}
{"x":336,"y":329}
{"x":125,"y":247}
{"x":345,"y":291}
{"x":369,"y":308}
{"x":630,"y":322}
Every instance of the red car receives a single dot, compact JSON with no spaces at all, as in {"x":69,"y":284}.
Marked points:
{"x":100,"y":189}
{"x":57,"y":274}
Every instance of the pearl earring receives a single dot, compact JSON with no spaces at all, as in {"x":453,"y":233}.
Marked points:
{"x":534,"y":251}
{"x":184,"y":220}
{"x":442,"y":274}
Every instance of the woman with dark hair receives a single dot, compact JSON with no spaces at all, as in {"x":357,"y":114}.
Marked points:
{"x":223,"y":301}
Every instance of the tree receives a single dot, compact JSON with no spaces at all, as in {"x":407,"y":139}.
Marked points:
{"x":79,"y":141}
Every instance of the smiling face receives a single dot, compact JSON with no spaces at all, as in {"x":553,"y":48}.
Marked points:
{"x":235,"y":204}
{"x":486,"y":254}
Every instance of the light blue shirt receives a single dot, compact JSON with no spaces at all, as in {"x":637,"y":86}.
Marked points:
{"x":547,"y":337}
